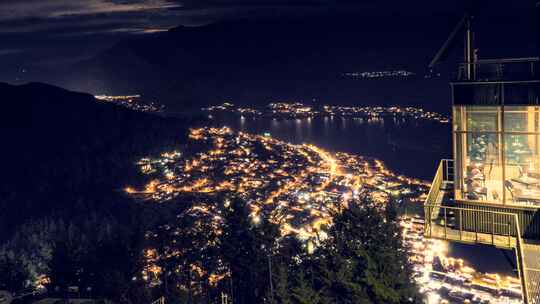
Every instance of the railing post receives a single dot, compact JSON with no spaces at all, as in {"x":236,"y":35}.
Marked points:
{"x":509,"y":233}
{"x":475,"y":220}
{"x":493,"y":228}
{"x":521,"y":262}
{"x":426,"y":220}
{"x":430,"y":228}
{"x":445,"y":177}
{"x":460,"y":224}
{"x":445,"y":223}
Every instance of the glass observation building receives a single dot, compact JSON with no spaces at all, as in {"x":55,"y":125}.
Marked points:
{"x":496,"y":135}
{"x":489,"y":192}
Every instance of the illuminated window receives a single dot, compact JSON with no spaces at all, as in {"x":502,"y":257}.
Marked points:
{"x":497,"y":152}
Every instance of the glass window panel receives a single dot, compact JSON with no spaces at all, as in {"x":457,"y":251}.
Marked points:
{"x":479,"y":154}
{"x":457,"y":118}
{"x":522,"y":171}
{"x":482,"y":121}
{"x":516,"y":108}
{"x":515,"y":121}
{"x":458,"y":156}
{"x":482,"y":171}
{"x":482,"y":108}
{"x":536,"y":120}
{"x":520,"y":119}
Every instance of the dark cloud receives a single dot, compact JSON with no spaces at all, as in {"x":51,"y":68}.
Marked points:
{"x":56,"y":30}
{"x":15,"y":9}
{"x":27,"y":15}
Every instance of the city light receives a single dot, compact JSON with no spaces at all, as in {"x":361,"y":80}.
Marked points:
{"x":298,"y":187}
{"x":301,"y":188}
{"x":444,"y":278}
{"x":133,"y":102}
{"x":297,"y":110}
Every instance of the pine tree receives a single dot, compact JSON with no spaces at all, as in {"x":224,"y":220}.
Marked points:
{"x":303,"y":292}
{"x":362,"y":261}
{"x":368,"y":238}
{"x":245,"y":247}
{"x":282,"y":285}
{"x":63,"y":266}
{"x":13,"y":273}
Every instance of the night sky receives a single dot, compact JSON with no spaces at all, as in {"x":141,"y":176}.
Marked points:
{"x":58,"y":32}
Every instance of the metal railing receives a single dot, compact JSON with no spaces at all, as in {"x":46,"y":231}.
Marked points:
{"x":443,"y":178}
{"x":471,"y":226}
{"x":435,"y":185}
{"x":531,"y":271}
{"x":160,"y":300}
{"x":448,"y":170}
{"x":475,"y":226}
{"x":511,"y":69}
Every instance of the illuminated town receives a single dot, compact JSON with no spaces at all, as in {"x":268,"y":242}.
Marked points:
{"x":379,"y":74}
{"x":444,"y":279}
{"x":297,"y":110}
{"x":133,"y":102}
{"x":300,"y":188}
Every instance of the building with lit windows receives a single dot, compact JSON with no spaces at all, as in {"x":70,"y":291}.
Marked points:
{"x":496,"y":133}
{"x":489,"y":193}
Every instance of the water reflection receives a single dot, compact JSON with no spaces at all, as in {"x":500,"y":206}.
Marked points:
{"x":423,"y":143}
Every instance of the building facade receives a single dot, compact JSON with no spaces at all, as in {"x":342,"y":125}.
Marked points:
{"x":489,"y":193}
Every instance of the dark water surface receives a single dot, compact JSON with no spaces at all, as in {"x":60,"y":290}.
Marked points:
{"x":407,"y":147}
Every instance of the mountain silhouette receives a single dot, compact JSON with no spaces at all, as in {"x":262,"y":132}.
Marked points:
{"x":61,"y":148}
{"x":257,"y":61}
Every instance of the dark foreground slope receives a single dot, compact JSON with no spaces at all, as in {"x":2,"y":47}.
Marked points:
{"x":65,"y":144}
{"x":65,"y":159}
